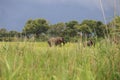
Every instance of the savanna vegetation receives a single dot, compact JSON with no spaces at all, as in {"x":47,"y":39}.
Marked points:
{"x":40,"y":30}
{"x":26,"y":55}
{"x":38,"y":61}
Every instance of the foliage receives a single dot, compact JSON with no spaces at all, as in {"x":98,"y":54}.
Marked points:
{"x":70,"y":29}
{"x":6,"y":35}
{"x":57,"y":29}
{"x":114,"y":26}
{"x":36,"y":26}
{"x":3,"y":32}
{"x":41,"y":30}
{"x":95,"y":27}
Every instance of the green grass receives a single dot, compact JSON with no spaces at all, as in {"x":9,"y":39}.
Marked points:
{"x":38,"y":61}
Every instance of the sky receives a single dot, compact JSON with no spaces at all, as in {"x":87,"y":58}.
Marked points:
{"x":15,"y":13}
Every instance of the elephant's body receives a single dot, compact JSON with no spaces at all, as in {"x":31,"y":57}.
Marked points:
{"x":89,"y":43}
{"x":54,"y":41}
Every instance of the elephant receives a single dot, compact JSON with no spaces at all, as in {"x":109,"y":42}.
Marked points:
{"x":89,"y":43}
{"x":54,"y":41}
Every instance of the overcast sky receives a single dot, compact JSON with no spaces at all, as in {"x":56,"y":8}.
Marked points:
{"x":15,"y":13}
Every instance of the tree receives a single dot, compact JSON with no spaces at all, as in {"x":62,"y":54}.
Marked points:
{"x":114,"y":25}
{"x":13,"y":33}
{"x":57,"y":29}
{"x":90,"y":27}
{"x":3,"y":32}
{"x":100,"y":29}
{"x":71,"y":24}
{"x":70,"y":29}
{"x":114,"y":28}
{"x":36,"y":27}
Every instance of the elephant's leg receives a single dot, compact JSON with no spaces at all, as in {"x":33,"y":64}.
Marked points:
{"x":49,"y":43}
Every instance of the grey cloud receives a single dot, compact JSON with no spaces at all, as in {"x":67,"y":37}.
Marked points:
{"x":14,"y":13}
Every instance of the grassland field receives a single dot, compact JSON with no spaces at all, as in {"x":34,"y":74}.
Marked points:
{"x":38,"y":61}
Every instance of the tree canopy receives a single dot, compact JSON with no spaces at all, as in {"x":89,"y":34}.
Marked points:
{"x":36,"y":26}
{"x":41,"y":29}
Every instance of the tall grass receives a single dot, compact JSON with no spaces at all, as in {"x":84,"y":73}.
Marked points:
{"x":38,"y":61}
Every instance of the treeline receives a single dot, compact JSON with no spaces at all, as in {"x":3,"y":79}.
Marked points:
{"x":41,"y":30}
{"x":6,"y":35}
